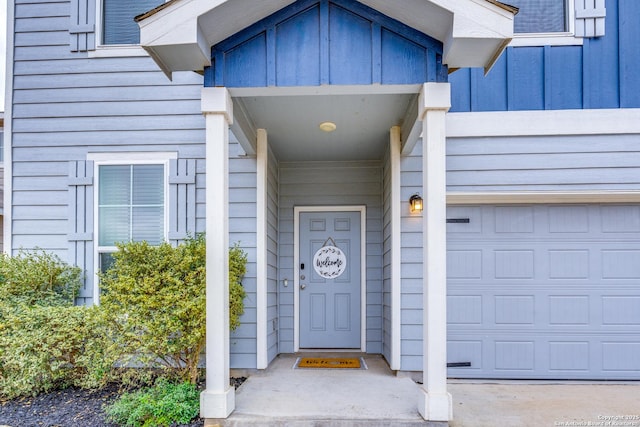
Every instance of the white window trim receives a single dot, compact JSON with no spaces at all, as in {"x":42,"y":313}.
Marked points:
{"x":552,"y":39}
{"x":101,"y":159}
{"x":116,"y":51}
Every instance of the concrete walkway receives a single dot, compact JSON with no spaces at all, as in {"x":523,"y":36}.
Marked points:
{"x":283,"y":396}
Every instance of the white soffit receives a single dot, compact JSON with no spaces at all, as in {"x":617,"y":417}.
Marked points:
{"x":179,"y":34}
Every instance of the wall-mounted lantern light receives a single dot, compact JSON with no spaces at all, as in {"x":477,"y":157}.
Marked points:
{"x":415,"y":204}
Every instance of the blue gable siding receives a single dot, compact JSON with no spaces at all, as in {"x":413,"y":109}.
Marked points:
{"x":315,"y":42}
{"x":602,"y":73}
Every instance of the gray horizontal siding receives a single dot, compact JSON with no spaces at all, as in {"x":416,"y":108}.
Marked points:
{"x":332,"y":183}
{"x":272,"y":256}
{"x":242,"y":231}
{"x":411,"y":265}
{"x":595,"y":162}
{"x":67,"y":105}
{"x":387,"y":327}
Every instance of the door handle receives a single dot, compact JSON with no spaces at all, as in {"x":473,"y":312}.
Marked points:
{"x":303,"y":286}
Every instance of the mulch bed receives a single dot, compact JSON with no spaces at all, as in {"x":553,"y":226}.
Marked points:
{"x":72,"y":407}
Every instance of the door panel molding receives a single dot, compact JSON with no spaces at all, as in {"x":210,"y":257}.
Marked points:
{"x":363,"y":267}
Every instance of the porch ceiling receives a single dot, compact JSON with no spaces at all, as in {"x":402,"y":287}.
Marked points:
{"x":292,"y":124}
{"x":179,"y":34}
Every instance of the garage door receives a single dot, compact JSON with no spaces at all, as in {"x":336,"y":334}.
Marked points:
{"x":544,"y":291}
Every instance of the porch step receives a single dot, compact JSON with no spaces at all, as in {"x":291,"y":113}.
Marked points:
{"x":297,"y":422}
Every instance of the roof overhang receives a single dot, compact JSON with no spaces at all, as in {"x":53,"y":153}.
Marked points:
{"x":179,"y":34}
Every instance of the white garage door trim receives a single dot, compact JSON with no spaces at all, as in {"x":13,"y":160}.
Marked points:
{"x":540,"y":197}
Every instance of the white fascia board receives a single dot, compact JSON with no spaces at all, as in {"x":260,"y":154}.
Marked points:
{"x":173,"y":36}
{"x":543,"y":123}
{"x":168,"y":21}
{"x":478,"y":36}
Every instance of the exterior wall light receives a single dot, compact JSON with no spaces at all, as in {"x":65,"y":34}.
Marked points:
{"x":415,"y":204}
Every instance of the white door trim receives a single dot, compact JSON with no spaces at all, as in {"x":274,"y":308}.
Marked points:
{"x":297,"y":210}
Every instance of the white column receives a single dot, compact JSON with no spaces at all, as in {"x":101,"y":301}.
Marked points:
{"x":262,"y":172}
{"x":435,"y":402}
{"x":218,"y":399}
{"x":395,"y":146}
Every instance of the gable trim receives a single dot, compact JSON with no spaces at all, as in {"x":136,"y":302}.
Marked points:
{"x":178,"y":36}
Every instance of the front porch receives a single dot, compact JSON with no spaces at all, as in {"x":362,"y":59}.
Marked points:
{"x":281,"y":395}
{"x":376,"y":71}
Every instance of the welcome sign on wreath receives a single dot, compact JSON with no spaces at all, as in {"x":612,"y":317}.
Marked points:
{"x":329,"y":261}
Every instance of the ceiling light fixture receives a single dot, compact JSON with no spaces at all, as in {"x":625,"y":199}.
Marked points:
{"x":327,"y":126}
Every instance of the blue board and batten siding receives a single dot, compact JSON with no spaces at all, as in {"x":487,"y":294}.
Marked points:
{"x":602,"y":73}
{"x":338,"y":42}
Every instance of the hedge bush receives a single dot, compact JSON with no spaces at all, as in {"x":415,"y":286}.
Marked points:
{"x":41,"y":333}
{"x":37,"y":278}
{"x":153,"y":303}
{"x":152,"y":313}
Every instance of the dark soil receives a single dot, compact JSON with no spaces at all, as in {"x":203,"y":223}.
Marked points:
{"x":72,"y":407}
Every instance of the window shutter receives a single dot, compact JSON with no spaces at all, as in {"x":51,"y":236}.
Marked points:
{"x":182,"y":199}
{"x":82,"y":26}
{"x":590,"y":18}
{"x":80,"y":235}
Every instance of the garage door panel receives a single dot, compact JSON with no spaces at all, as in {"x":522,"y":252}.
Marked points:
{"x":569,"y":356}
{"x":620,"y":219}
{"x":547,"y":309}
{"x":620,"y":357}
{"x":555,"y":356}
{"x":621,"y":264}
{"x":568,"y":310}
{"x":545,"y":292}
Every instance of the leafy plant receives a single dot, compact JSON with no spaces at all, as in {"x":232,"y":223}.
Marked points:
{"x":162,"y":405}
{"x":153,"y":303}
{"x":37,"y":277}
{"x":41,"y":333}
{"x":237,"y":270}
{"x":39,"y":348}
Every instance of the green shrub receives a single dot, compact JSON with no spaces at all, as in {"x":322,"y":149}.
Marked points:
{"x":237,"y":269}
{"x":162,"y":405}
{"x":39,"y":348}
{"x":153,"y":303}
{"x":37,"y":277}
{"x":41,"y":333}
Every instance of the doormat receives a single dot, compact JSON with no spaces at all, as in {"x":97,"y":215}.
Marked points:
{"x":330,"y":363}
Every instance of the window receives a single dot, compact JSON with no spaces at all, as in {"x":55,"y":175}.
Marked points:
{"x":131,"y":206}
{"x":118,"y":26}
{"x":541,"y":16}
